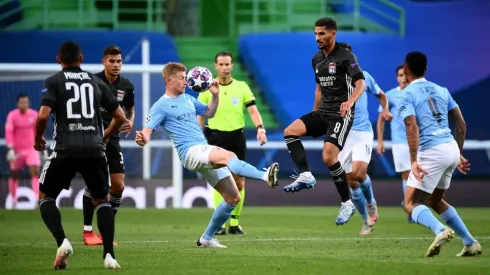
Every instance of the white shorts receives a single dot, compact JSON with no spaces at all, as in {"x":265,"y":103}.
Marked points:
{"x":358,"y":147}
{"x":439,"y":162}
{"x":401,"y":157}
{"x":197,"y":160}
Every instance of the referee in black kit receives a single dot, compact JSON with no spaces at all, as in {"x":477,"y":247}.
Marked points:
{"x":75,"y":98}
{"x":339,"y":83}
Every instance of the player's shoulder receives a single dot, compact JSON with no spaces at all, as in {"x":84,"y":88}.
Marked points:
{"x":238,"y":84}
{"x":343,"y":53}
{"x":319,"y":56}
{"x":100,"y":74}
{"x":126,"y":82}
{"x":367,"y":75}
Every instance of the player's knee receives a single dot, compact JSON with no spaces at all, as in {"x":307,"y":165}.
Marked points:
{"x":240,"y":182}
{"x":117,"y":187}
{"x":234,"y":200}
{"x":329,"y":159}
{"x":359,"y":175}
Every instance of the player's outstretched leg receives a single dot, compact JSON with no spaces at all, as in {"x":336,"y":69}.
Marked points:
{"x":305,"y":179}
{"x":231,"y":197}
{"x":89,"y":237}
{"x":421,"y":214}
{"x":450,"y":216}
{"x":52,"y":219}
{"x":219,"y":157}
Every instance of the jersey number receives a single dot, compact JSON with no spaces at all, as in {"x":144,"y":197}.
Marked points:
{"x":433,"y":109}
{"x":337,"y":127}
{"x":83,"y":94}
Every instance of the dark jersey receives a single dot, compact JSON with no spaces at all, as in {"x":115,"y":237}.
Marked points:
{"x":123,"y":90}
{"x":75,"y":97}
{"x":336,"y":75}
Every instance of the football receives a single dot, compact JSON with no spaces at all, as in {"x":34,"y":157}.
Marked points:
{"x":199,"y":79}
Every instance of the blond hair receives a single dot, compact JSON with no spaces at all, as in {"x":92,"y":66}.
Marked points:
{"x":172,"y":68}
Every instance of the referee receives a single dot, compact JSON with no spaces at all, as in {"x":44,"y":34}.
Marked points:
{"x":225,"y":129}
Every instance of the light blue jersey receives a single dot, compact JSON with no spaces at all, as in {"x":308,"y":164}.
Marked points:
{"x":398,"y":131}
{"x":361,"y":116}
{"x":178,"y":117}
{"x":430,"y":104}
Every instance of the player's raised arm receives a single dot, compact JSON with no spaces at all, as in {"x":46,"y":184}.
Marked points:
{"x":357,"y":76}
{"x":213,"y":103}
{"x":203,"y":98}
{"x":154,"y":119}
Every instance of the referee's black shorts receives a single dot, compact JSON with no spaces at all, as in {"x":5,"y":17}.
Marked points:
{"x":233,"y":141}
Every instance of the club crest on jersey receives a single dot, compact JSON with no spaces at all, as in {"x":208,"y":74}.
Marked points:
{"x":234,"y":100}
{"x":120,"y":95}
{"x":332,"y":68}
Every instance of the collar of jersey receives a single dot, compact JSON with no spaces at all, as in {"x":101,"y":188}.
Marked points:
{"x":72,"y":68}
{"x":107,"y":80}
{"x":419,"y":80}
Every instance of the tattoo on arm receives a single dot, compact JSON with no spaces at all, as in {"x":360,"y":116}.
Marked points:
{"x":460,"y":127}
{"x":412,"y":137}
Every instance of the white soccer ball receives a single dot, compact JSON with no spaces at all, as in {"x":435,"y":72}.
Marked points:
{"x":199,"y":79}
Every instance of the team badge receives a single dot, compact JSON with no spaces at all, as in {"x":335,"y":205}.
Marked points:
{"x":234,"y":100}
{"x":332,"y":68}
{"x":120,"y":95}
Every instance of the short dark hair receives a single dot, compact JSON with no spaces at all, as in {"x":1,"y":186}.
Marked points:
{"x":398,"y":68}
{"x":21,"y":96}
{"x":417,"y":63}
{"x":69,"y":52}
{"x":346,"y":45}
{"x":326,"y":22}
{"x":223,"y":53}
{"x":112,"y":50}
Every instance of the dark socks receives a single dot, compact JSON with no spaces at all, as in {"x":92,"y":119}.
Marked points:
{"x":52,"y":219}
{"x":340,"y":180}
{"x":115,"y":201}
{"x":105,"y":222}
{"x":297,"y":152}
{"x":88,"y":208}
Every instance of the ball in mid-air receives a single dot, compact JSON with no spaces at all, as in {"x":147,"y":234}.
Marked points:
{"x":199,"y":79}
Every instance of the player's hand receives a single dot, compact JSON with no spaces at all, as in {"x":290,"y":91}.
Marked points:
{"x":418,"y":172}
{"x":39,"y":144}
{"x":463,"y":165}
{"x":140,"y":139}
{"x":126,"y":127}
{"x":380,"y":148}
{"x":214,"y":88}
{"x":11,"y":156}
{"x":386,"y":115}
{"x":261,"y":137}
{"x":345,"y":108}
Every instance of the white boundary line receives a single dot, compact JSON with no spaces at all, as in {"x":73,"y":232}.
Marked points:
{"x":367,"y":238}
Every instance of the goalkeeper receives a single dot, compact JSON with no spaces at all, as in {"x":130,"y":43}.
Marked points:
{"x":225,"y":129}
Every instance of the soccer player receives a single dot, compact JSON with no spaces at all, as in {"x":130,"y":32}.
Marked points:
{"x":177,"y":113}
{"x":122,"y":89}
{"x":19,"y":135}
{"x":401,"y":154}
{"x":339,"y":83}
{"x":356,"y":154}
{"x":434,"y":153}
{"x":225,"y":129}
{"x":75,"y":97}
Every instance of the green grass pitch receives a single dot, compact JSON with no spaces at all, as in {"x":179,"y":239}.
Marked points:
{"x":279,"y":240}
